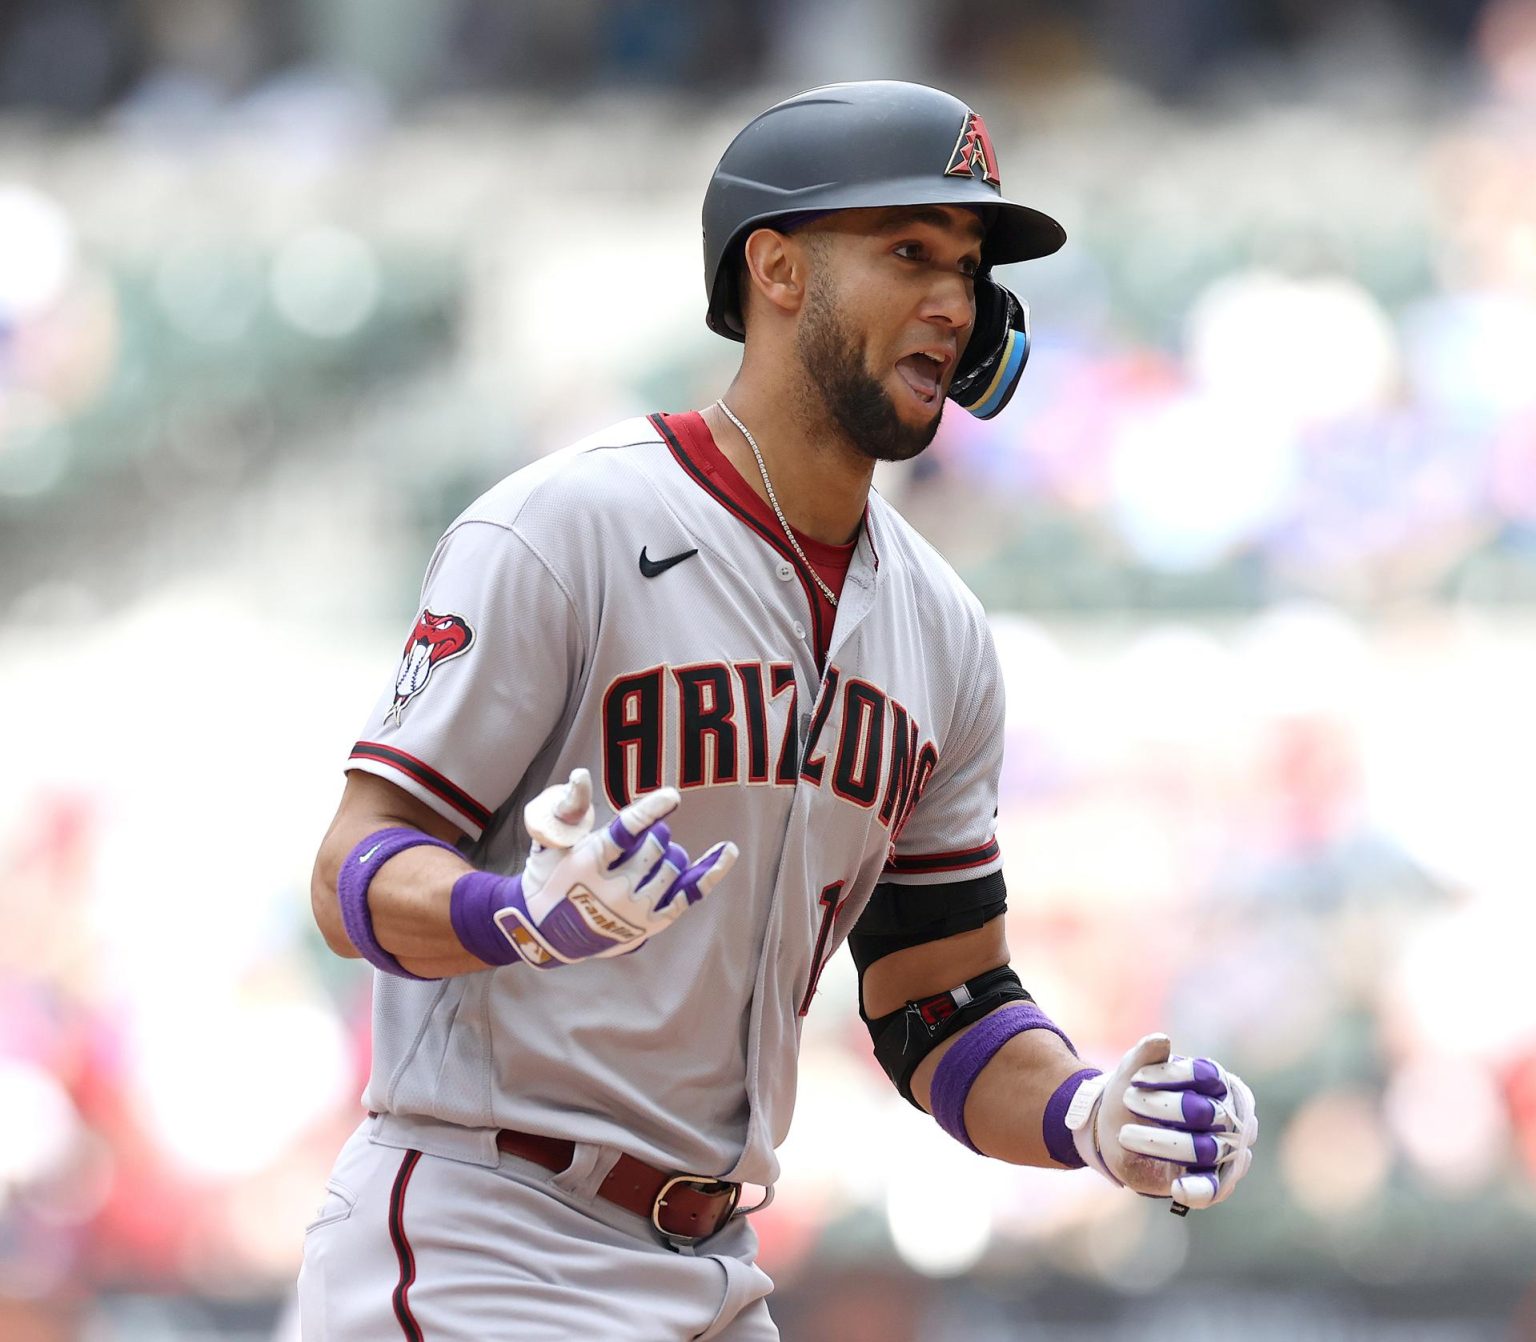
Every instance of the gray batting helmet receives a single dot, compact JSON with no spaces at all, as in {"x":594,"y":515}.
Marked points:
{"x":845,"y":146}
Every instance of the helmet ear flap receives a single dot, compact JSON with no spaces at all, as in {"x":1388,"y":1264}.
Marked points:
{"x":725,"y":303}
{"x":996,"y":353}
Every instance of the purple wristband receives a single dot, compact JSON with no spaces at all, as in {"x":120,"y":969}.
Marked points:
{"x":352,"y":883}
{"x":958,"y":1069}
{"x":1058,"y":1137}
{"x":477,"y":895}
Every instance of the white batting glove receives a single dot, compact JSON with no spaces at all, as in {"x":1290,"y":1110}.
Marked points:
{"x":557,"y":820}
{"x":587,"y":895}
{"x":1198,"y":1142}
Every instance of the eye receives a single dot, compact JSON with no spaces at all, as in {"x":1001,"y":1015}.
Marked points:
{"x":917,"y":252}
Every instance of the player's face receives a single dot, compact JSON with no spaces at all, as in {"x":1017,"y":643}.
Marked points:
{"x":889,"y":307}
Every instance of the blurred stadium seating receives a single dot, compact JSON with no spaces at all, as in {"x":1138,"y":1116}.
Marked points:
{"x":282,"y":287}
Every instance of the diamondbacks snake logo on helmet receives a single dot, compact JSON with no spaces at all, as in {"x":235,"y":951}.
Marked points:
{"x":974,"y":155}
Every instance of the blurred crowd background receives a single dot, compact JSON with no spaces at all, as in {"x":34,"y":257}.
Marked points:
{"x":284,"y":284}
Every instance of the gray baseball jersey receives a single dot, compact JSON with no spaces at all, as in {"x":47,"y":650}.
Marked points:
{"x":630,"y":605}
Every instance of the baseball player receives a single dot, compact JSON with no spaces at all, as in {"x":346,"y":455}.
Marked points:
{"x":686,"y":706}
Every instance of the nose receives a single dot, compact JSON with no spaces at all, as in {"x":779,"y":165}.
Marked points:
{"x":951,"y":301}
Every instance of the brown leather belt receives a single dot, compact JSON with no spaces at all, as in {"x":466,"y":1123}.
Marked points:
{"x":685,"y":1208}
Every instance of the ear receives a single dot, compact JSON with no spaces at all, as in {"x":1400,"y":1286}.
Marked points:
{"x":777,"y":268}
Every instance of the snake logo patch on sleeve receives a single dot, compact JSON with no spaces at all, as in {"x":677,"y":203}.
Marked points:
{"x":434,"y":640}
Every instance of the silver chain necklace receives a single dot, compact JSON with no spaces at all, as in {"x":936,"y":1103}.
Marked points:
{"x":773,"y":498}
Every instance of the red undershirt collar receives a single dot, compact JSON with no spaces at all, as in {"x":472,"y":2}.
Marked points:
{"x":829,"y":561}
{"x":693,"y":432}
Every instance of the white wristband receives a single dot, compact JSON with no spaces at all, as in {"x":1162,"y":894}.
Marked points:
{"x":1081,"y":1113}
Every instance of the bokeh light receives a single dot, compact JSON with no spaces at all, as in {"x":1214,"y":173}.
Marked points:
{"x":39,"y":251}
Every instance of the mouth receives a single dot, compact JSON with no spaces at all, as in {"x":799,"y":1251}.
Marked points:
{"x":923,"y":374}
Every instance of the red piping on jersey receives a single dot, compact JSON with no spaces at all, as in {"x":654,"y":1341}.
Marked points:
{"x":927,"y":863}
{"x":404,"y":1255}
{"x":428,"y":777}
{"x":836,"y":556}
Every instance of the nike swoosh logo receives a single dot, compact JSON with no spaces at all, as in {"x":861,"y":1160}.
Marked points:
{"x":652,"y":568}
{"x":365,"y":856}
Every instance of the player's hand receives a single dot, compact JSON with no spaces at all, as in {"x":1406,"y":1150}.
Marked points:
{"x":588,"y":894}
{"x":1169,"y":1126}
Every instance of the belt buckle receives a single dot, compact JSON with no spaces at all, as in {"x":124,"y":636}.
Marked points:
{"x":707,"y":1186}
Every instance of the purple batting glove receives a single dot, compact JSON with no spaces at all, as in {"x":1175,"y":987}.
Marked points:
{"x":1199,"y":1116}
{"x":698,"y":880}
{"x":604,"y":896}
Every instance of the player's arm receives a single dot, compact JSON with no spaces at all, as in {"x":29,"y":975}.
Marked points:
{"x":1004,"y":1110}
{"x":962,"y":1039}
{"x":408,"y":898}
{"x":389,"y":885}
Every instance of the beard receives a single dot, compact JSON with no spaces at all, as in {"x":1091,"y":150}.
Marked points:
{"x":857,"y":403}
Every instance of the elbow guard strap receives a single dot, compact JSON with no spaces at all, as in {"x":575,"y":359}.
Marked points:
{"x":904,"y":1038}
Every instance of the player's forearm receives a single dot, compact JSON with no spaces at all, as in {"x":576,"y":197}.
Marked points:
{"x":391,"y":885}
{"x":1005,"y":1110}
{"x":408,"y":903}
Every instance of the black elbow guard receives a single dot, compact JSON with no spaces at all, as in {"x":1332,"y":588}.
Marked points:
{"x":899,"y":916}
{"x":904,"y":1038}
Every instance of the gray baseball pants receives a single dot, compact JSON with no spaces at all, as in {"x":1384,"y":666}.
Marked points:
{"x":426,"y":1246}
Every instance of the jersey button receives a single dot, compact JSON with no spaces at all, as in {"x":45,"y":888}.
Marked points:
{"x":799,"y":629}
{"x":784,"y":570}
